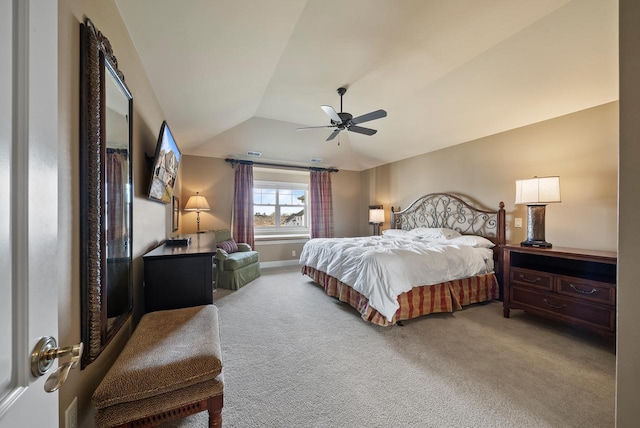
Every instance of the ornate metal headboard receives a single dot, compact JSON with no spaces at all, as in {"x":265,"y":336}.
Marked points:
{"x":447,"y":210}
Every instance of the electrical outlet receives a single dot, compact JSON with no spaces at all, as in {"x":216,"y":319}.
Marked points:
{"x":71,"y":414}
{"x":293,"y":253}
{"x":517,"y":222}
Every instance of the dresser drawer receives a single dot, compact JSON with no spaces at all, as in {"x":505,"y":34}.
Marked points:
{"x":532,"y":278}
{"x":588,"y":290}
{"x":565,"y":308}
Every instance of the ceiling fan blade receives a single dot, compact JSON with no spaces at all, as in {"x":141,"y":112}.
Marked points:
{"x":369,"y":116}
{"x":361,"y":130}
{"x":314,"y":127}
{"x":331,"y":113}
{"x":333,"y":135}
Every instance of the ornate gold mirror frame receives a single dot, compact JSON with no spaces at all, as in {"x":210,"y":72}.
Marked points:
{"x":106,"y":108}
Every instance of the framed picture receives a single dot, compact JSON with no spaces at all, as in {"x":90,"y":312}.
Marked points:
{"x":175,"y":213}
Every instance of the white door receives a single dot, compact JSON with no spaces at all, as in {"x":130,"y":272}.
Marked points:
{"x":28,"y":206}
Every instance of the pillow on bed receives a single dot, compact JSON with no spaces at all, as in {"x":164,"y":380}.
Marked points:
{"x":434,"y":233}
{"x":472,"y":240}
{"x":395,"y":233}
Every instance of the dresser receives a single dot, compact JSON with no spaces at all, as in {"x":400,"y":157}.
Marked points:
{"x":566,"y":284}
{"x":180,"y":276}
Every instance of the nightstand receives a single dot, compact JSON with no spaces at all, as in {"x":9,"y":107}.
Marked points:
{"x":566,"y":284}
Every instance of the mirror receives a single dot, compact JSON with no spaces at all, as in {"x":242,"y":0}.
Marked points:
{"x":106,"y":108}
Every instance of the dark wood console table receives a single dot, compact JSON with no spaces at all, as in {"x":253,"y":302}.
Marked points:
{"x":180,"y":276}
{"x":566,"y":284}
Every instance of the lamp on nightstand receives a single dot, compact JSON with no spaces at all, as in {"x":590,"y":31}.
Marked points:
{"x":197,"y":203}
{"x":376,"y":218}
{"x":537,"y":192}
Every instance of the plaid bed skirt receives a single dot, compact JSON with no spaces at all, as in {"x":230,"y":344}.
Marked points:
{"x":444,"y":297}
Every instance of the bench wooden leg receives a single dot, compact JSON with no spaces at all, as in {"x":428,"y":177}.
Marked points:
{"x":214,"y":405}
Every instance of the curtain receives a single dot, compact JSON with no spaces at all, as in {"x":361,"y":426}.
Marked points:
{"x":242,"y":221}
{"x":115,"y":195}
{"x":321,"y":204}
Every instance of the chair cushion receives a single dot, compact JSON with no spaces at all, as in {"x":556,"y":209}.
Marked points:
{"x":169,"y":350}
{"x":229,"y":246}
{"x":240,"y":259}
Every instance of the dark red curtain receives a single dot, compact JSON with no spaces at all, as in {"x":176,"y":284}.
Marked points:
{"x":321,"y":205}
{"x":242,"y":219}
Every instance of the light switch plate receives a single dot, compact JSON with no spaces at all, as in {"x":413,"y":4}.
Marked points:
{"x":517,"y":222}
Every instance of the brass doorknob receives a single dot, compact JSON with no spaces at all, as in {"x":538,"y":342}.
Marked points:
{"x":43,"y":356}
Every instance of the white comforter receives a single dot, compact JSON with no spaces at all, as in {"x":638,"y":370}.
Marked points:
{"x":381,"y":267}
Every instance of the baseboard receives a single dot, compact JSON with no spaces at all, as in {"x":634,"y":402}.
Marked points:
{"x":279,"y":263}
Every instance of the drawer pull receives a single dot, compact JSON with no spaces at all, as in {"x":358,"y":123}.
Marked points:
{"x":555,"y":306}
{"x":531,"y":281}
{"x":593,"y":291}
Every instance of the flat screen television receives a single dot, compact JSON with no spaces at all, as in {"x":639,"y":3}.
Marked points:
{"x":165,"y":166}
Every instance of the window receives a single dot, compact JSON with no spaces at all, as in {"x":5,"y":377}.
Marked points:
{"x":280,"y":208}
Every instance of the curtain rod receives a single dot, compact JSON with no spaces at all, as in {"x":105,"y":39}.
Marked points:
{"x":249,"y":162}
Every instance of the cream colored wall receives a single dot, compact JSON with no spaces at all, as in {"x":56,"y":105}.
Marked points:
{"x":582,"y":148}
{"x":151,"y":220}
{"x":213,"y":178}
{"x":347,"y":210}
{"x":628,"y":352}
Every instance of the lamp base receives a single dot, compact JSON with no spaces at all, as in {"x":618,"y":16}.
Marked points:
{"x":376,"y":229}
{"x":539,"y":244}
{"x":535,"y":227}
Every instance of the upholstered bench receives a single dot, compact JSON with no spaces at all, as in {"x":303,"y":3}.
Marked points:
{"x":171,"y":367}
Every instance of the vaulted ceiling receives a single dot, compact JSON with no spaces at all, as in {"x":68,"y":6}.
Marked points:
{"x":239,"y":75}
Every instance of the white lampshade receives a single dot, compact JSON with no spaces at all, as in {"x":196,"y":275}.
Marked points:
{"x":376,"y":215}
{"x":538,"y":190}
{"x":197,"y":203}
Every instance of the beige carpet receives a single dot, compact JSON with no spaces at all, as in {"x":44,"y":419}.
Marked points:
{"x":294,"y":357}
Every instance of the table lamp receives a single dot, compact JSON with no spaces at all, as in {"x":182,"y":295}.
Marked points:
{"x":197,"y":203}
{"x":376,"y":217}
{"x":537,"y":192}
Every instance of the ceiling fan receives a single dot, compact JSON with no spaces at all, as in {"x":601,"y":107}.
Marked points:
{"x":345,"y":121}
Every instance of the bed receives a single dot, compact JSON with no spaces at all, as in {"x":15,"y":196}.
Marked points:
{"x":441,"y":254}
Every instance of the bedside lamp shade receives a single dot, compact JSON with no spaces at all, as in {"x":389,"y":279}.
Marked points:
{"x":197,"y":203}
{"x":536,"y":193}
{"x":376,"y":217}
{"x":538,"y":190}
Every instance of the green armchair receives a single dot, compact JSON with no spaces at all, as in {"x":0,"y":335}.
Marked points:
{"x":238,"y":268}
